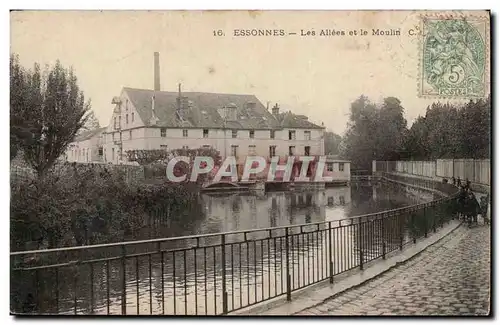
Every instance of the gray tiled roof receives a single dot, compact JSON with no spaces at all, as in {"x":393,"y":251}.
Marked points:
{"x":202,"y":111}
{"x":89,"y":134}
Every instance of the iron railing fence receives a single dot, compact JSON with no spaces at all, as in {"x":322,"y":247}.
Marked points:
{"x":215,"y":273}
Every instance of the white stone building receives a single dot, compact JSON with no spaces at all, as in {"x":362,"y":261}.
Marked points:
{"x":236,"y":125}
{"x":87,"y":147}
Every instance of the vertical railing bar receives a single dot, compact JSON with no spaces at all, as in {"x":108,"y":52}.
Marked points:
{"x":269,"y":266}
{"x":275,"y":268}
{"x":248,"y":270}
{"x":295,"y":261}
{"x":223,"y":263}
{"x":162,"y":261}
{"x":310,"y":244}
{"x":174,"y":288}
{"x":57,"y":290}
{"x":232,"y":277}
{"x":330,"y":247}
{"x":262,"y":266}
{"x":241,"y":279}
{"x":255,"y":267}
{"x":288,"y":290}
{"x":107,"y":287}
{"x":215,"y":280}
{"x":303,"y":259}
{"x":124,"y":281}
{"x":150,"y":286}
{"x":137,"y":281}
{"x":281,"y":265}
{"x":205,"y":278}
{"x":91,"y":265}
{"x":185,"y":284}
{"x":75,"y":282}
{"x":196,"y":275}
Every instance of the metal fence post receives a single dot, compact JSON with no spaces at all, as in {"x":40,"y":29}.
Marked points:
{"x":224,"y":291}
{"x":384,"y":244}
{"x":360,"y":234}
{"x":288,"y":280}
{"x":124,"y":282}
{"x":425,"y":221}
{"x":330,"y":250}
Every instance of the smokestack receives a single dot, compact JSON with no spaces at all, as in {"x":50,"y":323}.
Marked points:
{"x":157,"y":71}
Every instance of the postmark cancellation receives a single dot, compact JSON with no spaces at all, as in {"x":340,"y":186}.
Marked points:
{"x":454,"y":58}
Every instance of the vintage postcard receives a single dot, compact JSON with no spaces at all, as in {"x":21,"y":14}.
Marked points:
{"x":245,"y":163}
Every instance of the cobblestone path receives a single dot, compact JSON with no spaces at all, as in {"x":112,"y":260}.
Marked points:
{"x":451,"y":277}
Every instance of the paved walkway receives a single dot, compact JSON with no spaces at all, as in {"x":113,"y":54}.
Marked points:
{"x":451,"y":277}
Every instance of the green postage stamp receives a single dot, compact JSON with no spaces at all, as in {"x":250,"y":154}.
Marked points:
{"x":454,"y":56}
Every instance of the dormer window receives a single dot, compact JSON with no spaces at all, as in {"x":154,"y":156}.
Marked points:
{"x":251,"y":134}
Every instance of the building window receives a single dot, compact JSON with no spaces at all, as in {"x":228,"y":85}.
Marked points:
{"x":119,"y":121}
{"x":307,"y":150}
{"x":341,"y":167}
{"x":185,"y":147}
{"x":234,"y":151}
{"x":307,"y":135}
{"x":113,"y":154}
{"x":100,"y":152}
{"x":185,"y":133}
{"x":272,"y":151}
{"x":126,"y":118}
{"x":163,"y":132}
{"x":126,"y":106}
{"x":234,"y":134}
{"x":205,"y":133}
{"x":330,"y":201}
{"x":342,"y":200}
{"x":114,"y":122}
{"x":291,"y":135}
{"x":271,"y":134}
{"x":132,"y":117}
{"x":329,"y":167}
{"x":130,"y":134}
{"x":251,"y":134}
{"x":163,"y":147}
{"x":251,"y":150}
{"x":291,"y":150}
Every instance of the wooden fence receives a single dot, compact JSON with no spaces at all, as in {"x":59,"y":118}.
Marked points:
{"x":476,"y":170}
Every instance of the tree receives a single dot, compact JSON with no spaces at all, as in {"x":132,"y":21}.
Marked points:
{"x":374,"y":132}
{"x":91,"y":123}
{"x":451,"y":131}
{"x":46,"y":113}
{"x":332,"y":142}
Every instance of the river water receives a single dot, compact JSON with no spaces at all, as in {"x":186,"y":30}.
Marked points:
{"x":190,"y":281}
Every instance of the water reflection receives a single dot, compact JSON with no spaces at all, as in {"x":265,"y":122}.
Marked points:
{"x":190,"y":281}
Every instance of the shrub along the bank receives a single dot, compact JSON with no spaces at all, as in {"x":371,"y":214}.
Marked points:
{"x":83,"y":204}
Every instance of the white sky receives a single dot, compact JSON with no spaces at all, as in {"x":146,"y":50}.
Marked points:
{"x":316,"y":76}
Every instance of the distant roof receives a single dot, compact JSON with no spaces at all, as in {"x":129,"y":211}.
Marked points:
{"x":89,"y":134}
{"x":203,"y":110}
{"x":291,"y":120}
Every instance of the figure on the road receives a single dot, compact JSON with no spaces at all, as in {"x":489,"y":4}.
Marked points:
{"x":472,"y":208}
{"x":484,"y":209}
{"x":460,"y":206}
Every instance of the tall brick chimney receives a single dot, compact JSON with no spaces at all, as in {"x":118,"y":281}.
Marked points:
{"x":157,"y":71}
